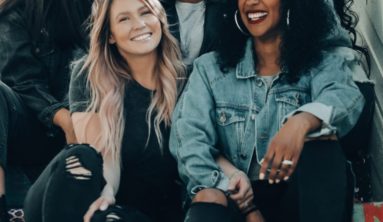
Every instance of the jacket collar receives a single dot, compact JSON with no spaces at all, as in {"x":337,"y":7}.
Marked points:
{"x":245,"y":68}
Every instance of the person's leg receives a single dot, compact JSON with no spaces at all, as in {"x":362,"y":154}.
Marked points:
{"x":8,"y":105}
{"x":319,"y":190}
{"x":22,"y":133}
{"x":320,"y":184}
{"x":208,"y":205}
{"x":66,"y":188}
{"x":120,"y":214}
{"x":323,"y":183}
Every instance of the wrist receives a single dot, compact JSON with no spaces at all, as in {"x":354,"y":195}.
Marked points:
{"x":235,"y":173}
{"x":108,"y":192}
{"x":302,"y":123}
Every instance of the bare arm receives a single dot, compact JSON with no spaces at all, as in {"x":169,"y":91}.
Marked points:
{"x":111,"y":169}
{"x":63,"y":120}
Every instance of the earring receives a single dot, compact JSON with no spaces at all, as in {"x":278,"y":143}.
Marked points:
{"x":237,"y":23}
{"x":288,"y":18}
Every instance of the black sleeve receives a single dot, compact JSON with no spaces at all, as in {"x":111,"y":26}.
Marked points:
{"x":22,"y":71}
{"x":79,"y":93}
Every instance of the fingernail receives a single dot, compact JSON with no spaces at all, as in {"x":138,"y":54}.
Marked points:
{"x":271,"y":181}
{"x":261,"y":176}
{"x":286,"y":178}
{"x":103,"y":206}
{"x":277,"y":180}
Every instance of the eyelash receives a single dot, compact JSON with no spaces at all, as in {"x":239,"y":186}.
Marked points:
{"x":146,"y":12}
{"x":123,"y":19}
{"x":143,"y":13}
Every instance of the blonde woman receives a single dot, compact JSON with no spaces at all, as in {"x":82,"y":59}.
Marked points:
{"x":122,"y":95}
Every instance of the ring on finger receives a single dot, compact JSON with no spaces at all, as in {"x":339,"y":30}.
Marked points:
{"x":287,"y":162}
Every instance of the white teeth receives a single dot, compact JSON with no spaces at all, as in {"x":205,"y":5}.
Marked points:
{"x":142,"y":37}
{"x":256,"y":15}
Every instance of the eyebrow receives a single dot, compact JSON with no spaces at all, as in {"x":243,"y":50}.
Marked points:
{"x":128,"y":12}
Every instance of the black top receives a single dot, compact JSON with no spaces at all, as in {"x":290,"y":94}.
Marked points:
{"x":147,"y":175}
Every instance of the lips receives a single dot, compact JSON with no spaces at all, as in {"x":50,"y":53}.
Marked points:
{"x":255,"y":17}
{"x":142,"y":37}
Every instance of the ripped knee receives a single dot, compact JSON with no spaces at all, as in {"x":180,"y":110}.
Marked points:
{"x":74,"y":167}
{"x":112,"y":217}
{"x":211,"y":195}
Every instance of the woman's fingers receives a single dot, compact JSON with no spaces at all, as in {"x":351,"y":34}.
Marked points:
{"x":100,"y":204}
{"x":247,"y":201}
{"x":265,"y":163}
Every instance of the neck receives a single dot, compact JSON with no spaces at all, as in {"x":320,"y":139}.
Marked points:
{"x":143,"y":69}
{"x":268,"y":55}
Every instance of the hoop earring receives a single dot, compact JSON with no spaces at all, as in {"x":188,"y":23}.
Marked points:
{"x":237,"y":23}
{"x":288,"y":18}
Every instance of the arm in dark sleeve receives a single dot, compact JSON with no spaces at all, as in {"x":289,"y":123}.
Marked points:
{"x":22,"y":71}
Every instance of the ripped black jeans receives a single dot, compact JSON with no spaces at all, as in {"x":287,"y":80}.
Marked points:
{"x":67,"y":187}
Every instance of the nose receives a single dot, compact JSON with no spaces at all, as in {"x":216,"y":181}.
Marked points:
{"x":138,"y":23}
{"x":250,"y":2}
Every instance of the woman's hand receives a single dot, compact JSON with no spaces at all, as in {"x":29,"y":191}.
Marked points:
{"x":242,"y":192}
{"x":102,"y":203}
{"x":286,"y":147}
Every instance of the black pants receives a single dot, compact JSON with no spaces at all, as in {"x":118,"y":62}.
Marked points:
{"x":321,"y":189}
{"x":61,"y":196}
{"x":23,"y":138}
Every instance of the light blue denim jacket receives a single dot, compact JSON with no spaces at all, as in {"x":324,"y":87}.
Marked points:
{"x":237,"y":114}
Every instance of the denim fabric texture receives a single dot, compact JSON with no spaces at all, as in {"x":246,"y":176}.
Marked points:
{"x":236,"y":113}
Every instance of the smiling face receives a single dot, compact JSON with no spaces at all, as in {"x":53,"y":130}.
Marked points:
{"x":135,"y":30}
{"x":261,"y":17}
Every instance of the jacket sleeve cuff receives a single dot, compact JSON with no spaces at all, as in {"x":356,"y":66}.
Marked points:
{"x":322,"y":112}
{"x":46,"y":117}
{"x":222,"y":183}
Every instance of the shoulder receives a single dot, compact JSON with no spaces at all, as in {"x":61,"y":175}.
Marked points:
{"x":78,"y":73}
{"x":207,"y":64}
{"x":337,"y":58}
{"x":77,"y":65}
{"x":208,"y":59}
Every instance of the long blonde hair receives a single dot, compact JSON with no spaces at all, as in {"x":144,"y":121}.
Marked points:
{"x":108,"y":73}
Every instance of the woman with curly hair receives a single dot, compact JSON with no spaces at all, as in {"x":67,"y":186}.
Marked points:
{"x":122,"y":95}
{"x":256,"y":131}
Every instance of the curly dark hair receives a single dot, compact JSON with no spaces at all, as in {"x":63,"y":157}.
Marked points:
{"x":303,"y":40}
{"x":349,"y":19}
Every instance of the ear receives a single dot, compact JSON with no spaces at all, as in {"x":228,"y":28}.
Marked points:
{"x":111,"y":39}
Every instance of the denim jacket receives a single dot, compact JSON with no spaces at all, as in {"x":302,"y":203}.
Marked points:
{"x":237,"y":114}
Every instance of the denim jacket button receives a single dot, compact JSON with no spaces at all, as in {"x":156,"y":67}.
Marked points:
{"x":37,"y":50}
{"x":222,"y":118}
{"x":259,"y":82}
{"x":243,"y":156}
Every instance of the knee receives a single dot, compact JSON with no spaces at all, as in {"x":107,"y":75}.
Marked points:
{"x":4,"y":90}
{"x":324,"y":158}
{"x":211,"y":195}
{"x":83,"y":162}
